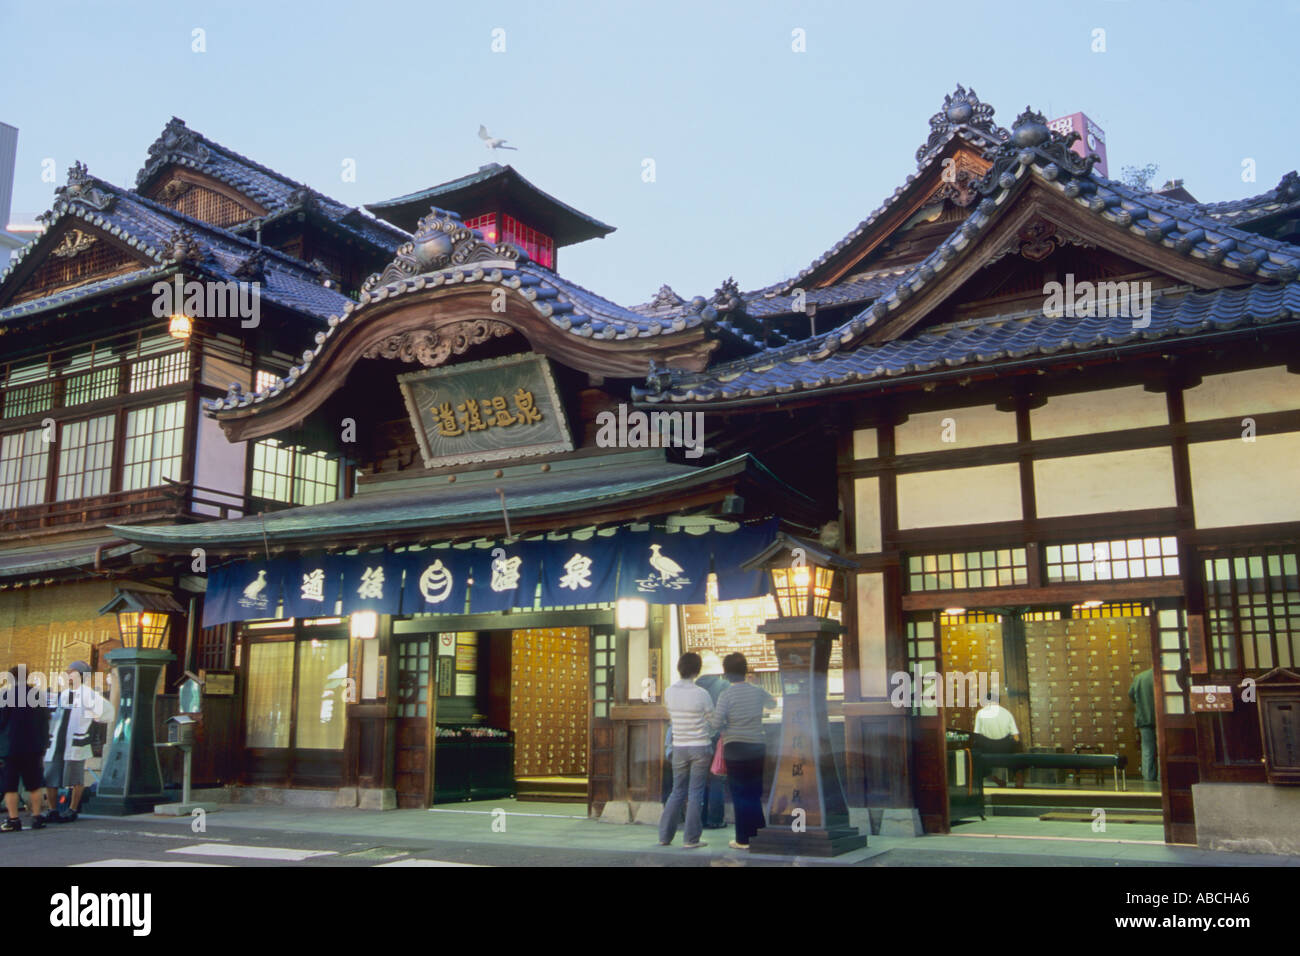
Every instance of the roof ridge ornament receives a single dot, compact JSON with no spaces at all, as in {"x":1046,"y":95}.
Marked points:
{"x":1033,"y":143}
{"x":252,"y":269}
{"x":182,"y":247}
{"x":666,"y":298}
{"x":176,"y":142}
{"x":1288,"y":187}
{"x":962,"y":112}
{"x":443,"y":241}
{"x":83,"y":189}
{"x":726,"y":298}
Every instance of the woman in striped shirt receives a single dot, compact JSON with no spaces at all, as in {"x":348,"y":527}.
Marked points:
{"x":739,"y":715}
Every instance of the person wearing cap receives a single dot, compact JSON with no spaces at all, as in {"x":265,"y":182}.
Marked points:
{"x":79,"y":705}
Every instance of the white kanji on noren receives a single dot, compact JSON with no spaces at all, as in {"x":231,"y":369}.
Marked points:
{"x":313,"y":585}
{"x":505,"y":573}
{"x":577,"y":573}
{"x":372,"y":583}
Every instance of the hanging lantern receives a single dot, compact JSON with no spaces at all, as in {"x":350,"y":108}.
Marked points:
{"x":180,"y":326}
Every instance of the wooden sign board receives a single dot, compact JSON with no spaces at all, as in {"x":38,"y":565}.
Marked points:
{"x":1210,"y":698}
{"x":217,"y":683}
{"x":486,"y":411}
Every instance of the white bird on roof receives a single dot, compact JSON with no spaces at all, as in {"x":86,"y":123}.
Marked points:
{"x":666,"y":566}
{"x":490,"y":141}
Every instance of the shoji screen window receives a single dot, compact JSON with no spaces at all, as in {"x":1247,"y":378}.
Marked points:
{"x":322,"y":690}
{"x":85,"y":458}
{"x":155,"y":439}
{"x":24,"y":464}
{"x":269,"y":699}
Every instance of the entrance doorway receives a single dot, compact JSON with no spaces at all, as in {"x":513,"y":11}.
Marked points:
{"x":1063,"y":675}
{"x":549,"y":703}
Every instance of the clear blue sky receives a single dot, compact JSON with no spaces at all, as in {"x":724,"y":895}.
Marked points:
{"x":764,"y":157}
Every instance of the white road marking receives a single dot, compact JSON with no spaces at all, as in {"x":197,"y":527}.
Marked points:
{"x":511,"y":813}
{"x":129,"y":862}
{"x":427,"y":863}
{"x":252,"y":852}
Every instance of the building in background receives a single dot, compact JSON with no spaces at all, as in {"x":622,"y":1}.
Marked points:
{"x":12,"y":236}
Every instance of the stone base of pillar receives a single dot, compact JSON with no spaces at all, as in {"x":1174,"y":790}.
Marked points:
{"x":779,"y":841}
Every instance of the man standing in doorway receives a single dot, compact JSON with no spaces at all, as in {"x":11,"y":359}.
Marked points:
{"x":1143,"y":694}
{"x":689,"y":708}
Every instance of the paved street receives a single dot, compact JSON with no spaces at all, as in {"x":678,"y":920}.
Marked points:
{"x":507,"y":833}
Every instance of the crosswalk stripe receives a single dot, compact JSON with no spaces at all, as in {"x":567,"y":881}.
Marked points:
{"x":252,"y":852}
{"x":427,"y":863}
{"x":124,"y":861}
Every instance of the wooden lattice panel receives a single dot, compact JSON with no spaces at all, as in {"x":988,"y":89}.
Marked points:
{"x":549,"y":700}
{"x":202,"y":203}
{"x":98,"y":261}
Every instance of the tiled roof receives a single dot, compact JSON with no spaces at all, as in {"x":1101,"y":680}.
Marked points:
{"x":1282,"y":198}
{"x":152,"y":228}
{"x":1033,"y":152}
{"x":962,"y":117}
{"x":565,"y":304}
{"x":773,"y":301}
{"x":582,"y":225}
{"x":581,"y":485}
{"x":46,"y":558}
{"x":180,"y":145}
{"x":981,"y":342}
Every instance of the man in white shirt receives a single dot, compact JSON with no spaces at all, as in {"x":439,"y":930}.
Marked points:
{"x":996,"y":722}
{"x":689,"y":707}
{"x":998,"y":727}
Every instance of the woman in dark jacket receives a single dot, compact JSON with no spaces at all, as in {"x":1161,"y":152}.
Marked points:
{"x":24,"y":734}
{"x":739,"y":715}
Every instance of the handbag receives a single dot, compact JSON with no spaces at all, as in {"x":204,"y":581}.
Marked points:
{"x":719,"y":767}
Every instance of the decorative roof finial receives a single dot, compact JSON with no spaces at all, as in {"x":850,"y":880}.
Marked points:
{"x":84,"y":189}
{"x":962,"y":113}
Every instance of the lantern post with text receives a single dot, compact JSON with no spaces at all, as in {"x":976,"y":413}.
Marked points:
{"x":807,"y":812}
{"x":132,"y":779}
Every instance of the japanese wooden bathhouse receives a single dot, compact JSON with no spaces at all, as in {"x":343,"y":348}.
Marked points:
{"x":1049,"y":415}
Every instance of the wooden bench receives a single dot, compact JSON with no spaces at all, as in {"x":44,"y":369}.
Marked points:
{"x":1116,"y":763}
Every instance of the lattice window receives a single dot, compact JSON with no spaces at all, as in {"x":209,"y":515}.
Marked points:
{"x":602,"y":674}
{"x":969,"y":617}
{"x":539,"y":246}
{"x":1003,"y":567}
{"x":923,"y":658}
{"x":212,"y":652}
{"x":1253,"y":611}
{"x":413,"y":676}
{"x":155,"y":439}
{"x":28,"y":390}
{"x":24,"y":464}
{"x":486,"y":224}
{"x":90,"y":386}
{"x":1043,"y":616}
{"x":85,"y":458}
{"x":29,"y":399}
{"x":158,"y":370}
{"x":291,"y":474}
{"x":1112,"y":560}
{"x":1109,"y":610}
{"x":1171,"y":623}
